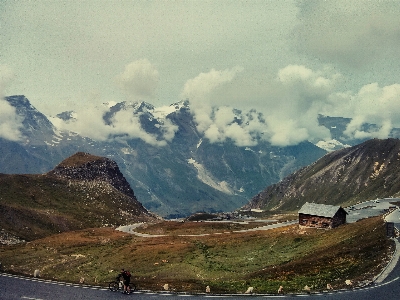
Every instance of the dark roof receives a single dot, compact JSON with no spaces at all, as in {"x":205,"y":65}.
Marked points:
{"x":320,"y":210}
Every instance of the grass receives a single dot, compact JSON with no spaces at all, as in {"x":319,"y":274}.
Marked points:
{"x":229,"y":263}
{"x":48,"y":205}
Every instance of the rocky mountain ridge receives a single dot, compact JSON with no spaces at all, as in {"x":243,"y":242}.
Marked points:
{"x":363,"y":172}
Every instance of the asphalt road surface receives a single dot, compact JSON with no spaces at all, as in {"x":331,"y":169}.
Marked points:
{"x":13,"y":288}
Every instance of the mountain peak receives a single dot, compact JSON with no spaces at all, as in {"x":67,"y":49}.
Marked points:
{"x":35,"y":125}
{"x":67,"y":116}
{"x":79,"y":159}
{"x":88,"y":167}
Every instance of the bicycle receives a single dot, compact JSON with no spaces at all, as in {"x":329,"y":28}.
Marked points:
{"x":118,"y":285}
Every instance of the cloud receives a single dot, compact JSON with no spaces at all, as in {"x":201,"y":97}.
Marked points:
{"x":10,"y":122}
{"x":139,"y":80}
{"x":217,"y":123}
{"x":305,"y":83}
{"x":301,"y":95}
{"x":199,"y":89}
{"x":224,"y":127}
{"x":374,"y":105}
{"x":125,"y":125}
{"x":290,"y":117}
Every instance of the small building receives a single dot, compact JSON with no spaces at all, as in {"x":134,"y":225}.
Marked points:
{"x":321,"y":215}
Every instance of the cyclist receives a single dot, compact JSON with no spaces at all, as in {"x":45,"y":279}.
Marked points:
{"x":126,"y":275}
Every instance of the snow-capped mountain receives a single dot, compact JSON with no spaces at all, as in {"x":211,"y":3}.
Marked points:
{"x":180,"y":176}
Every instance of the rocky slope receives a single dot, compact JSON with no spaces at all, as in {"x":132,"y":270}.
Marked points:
{"x":83,"y":191}
{"x":86,"y":167}
{"x":367,"y":171}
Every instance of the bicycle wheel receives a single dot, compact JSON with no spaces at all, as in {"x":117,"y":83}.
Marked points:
{"x":132,"y":287}
{"x":113,"y":286}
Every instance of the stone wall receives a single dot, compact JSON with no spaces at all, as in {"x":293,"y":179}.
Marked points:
{"x":315,"y":221}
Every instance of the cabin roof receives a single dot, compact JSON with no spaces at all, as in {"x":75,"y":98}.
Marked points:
{"x":321,"y":210}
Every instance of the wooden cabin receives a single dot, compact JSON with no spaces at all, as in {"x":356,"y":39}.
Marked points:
{"x":321,"y":215}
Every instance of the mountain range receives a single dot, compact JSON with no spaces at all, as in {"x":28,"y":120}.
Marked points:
{"x":367,"y":171}
{"x":186,"y":174}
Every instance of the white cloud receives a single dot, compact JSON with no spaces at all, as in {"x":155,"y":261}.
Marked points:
{"x":287,"y":132}
{"x":300,"y":96}
{"x":217,"y":123}
{"x":139,"y":80}
{"x":199,"y":92}
{"x":10,"y":122}
{"x":224,"y":127}
{"x":199,"y":89}
{"x":125,"y":124}
{"x":374,"y":105}
{"x":305,"y":84}
{"x":289,"y":118}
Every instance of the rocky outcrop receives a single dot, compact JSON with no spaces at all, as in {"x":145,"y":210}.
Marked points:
{"x":87,"y":167}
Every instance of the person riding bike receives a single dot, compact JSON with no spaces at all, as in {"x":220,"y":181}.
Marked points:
{"x":126,"y":275}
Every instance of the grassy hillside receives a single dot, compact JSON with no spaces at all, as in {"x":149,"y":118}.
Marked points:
{"x":228,"y":262}
{"x":34,"y":206}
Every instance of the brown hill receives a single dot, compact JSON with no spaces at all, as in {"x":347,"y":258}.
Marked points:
{"x":84,"y":166}
{"x":81,"y":192}
{"x":363,"y":172}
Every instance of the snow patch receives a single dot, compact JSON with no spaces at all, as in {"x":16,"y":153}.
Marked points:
{"x":163,"y":111}
{"x":199,"y":143}
{"x":127,"y":151}
{"x":331,"y":145}
{"x":110,"y":104}
{"x":204,"y":176}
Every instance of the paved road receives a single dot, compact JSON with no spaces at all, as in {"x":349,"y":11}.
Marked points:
{"x":13,"y":288}
{"x":131,"y":229}
{"x":370,"y":209}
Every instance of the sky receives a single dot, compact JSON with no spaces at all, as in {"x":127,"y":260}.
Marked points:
{"x":289,"y":60}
